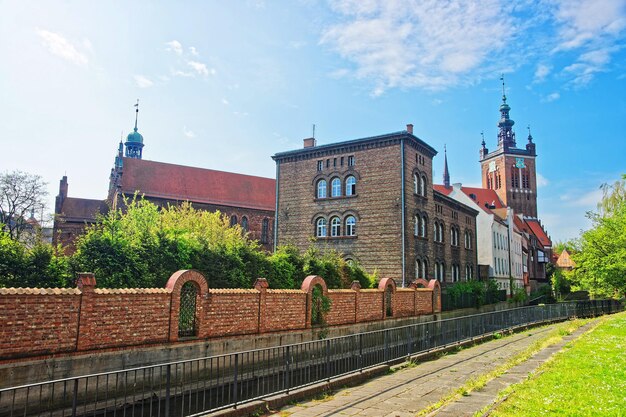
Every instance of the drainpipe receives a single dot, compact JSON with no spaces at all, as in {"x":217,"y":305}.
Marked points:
{"x":276,"y":212}
{"x":403,"y":213}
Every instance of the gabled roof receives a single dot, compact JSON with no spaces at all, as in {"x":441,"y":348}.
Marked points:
{"x":538,"y":231}
{"x":480,"y":196}
{"x":199,"y":185}
{"x":82,"y":209}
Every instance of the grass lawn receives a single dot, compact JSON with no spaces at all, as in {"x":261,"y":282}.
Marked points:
{"x":587,"y":378}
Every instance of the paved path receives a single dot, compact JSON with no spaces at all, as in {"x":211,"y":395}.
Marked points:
{"x":410,"y":390}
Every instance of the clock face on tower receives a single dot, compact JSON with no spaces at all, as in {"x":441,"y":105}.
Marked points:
{"x":519,"y":163}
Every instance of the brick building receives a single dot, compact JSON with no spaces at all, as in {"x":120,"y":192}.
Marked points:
{"x":247,"y":200}
{"x":372,"y":200}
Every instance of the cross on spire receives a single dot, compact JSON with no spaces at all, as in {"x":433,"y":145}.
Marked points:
{"x":136,"y":113}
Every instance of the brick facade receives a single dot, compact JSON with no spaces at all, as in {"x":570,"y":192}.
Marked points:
{"x":35,"y":322}
{"x":389,"y":170}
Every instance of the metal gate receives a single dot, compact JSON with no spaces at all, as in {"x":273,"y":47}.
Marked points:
{"x":187,"y":326}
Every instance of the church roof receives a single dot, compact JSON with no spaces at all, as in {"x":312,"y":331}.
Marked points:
{"x":199,"y":185}
{"x":82,"y":209}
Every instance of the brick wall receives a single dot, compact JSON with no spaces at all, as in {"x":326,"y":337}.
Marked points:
{"x":36,"y":322}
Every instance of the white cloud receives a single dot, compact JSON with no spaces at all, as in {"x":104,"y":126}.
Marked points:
{"x":143,"y":82}
{"x":193,"y":51}
{"x":174,"y":46}
{"x":188,"y":133}
{"x":542,"y":72}
{"x":432,"y":45}
{"x":57,"y":45}
{"x":225,"y":102}
{"x":201,"y":68}
{"x":179,"y":73}
{"x":552,"y":97}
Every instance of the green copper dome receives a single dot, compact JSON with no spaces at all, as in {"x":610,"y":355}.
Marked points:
{"x":134,"y":137}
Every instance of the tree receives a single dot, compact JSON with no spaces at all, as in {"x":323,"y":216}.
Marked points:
{"x":601,"y":263}
{"x":21,"y":194}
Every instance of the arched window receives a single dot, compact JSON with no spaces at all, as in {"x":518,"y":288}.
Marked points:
{"x":442,"y":272}
{"x":244,"y":224}
{"x":416,"y":189}
{"x":233,"y":220}
{"x":265,"y":230}
{"x":441,"y":230}
{"x":436,"y":232}
{"x":351,"y":185}
{"x":468,"y":241}
{"x":335,"y":227}
{"x":416,"y":227}
{"x":350,"y":226}
{"x":321,"y":227}
{"x":422,"y":186}
{"x":321,"y":189}
{"x":423,"y":227}
{"x":335,"y":187}
{"x":187,"y":323}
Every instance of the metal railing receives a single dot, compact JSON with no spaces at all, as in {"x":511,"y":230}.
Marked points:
{"x":192,"y":387}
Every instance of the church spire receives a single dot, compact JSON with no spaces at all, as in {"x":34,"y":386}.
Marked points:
{"x":446,"y":173}
{"x":134,"y":140}
{"x":506,"y":136}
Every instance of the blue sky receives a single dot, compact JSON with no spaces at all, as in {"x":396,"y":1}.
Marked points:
{"x":225,"y":85}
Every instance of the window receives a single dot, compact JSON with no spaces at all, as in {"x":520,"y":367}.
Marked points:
{"x":335,"y":227}
{"x":321,"y":227}
{"x":350,"y":226}
{"x":422,"y":186}
{"x":334,"y":162}
{"x":350,"y":262}
{"x":455,"y":273}
{"x":351,"y":185}
{"x":469,"y":272}
{"x":425,"y":269}
{"x":468,"y":240}
{"x":423,"y":227}
{"x":321,"y":189}
{"x":265,"y":230}
{"x":415,"y":184}
{"x":233,"y":220}
{"x":436,"y":233}
{"x":351,"y":161}
{"x":244,"y":224}
{"x":454,"y":236}
{"x":342,"y":161}
{"x":335,"y":187}
{"x":440,"y":271}
{"x":441,"y":232}
{"x":320,"y":165}
{"x":416,"y":226}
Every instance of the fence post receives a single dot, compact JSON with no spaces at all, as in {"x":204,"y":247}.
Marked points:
{"x":235,"y":380}
{"x":328,"y":360}
{"x":287,"y":382}
{"x":385,"y":344}
{"x":168,"y":382}
{"x":361,"y":352}
{"x":74,"y":398}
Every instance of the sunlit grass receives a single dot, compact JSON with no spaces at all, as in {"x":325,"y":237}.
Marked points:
{"x":587,"y":378}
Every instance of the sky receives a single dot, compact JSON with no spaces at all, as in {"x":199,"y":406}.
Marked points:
{"x":225,"y":85}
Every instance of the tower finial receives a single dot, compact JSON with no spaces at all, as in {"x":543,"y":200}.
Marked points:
{"x":446,"y":173}
{"x":482,"y":134}
{"x":136,"y":113}
{"x":503,"y":88}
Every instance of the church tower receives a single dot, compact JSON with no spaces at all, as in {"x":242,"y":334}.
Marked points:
{"x":134,"y":140}
{"x":510,"y":170}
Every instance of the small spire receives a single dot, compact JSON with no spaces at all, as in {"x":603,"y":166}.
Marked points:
{"x":136,"y":113}
{"x":482,"y":134}
{"x":503,"y":89}
{"x":446,"y":173}
{"x":530,"y":137}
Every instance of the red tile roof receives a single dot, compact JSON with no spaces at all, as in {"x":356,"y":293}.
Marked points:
{"x":538,"y":231}
{"x":483,"y":196}
{"x":442,"y":189}
{"x":82,"y":209}
{"x":179,"y":182}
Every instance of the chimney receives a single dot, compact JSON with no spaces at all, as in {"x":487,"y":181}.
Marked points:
{"x":58,"y":206}
{"x":409,"y":128}
{"x":309,"y":142}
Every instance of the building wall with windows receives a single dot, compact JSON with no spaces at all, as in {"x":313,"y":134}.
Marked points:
{"x":372,"y":200}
